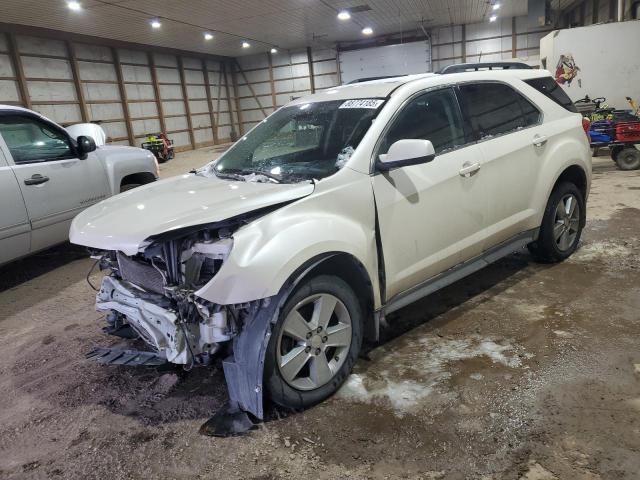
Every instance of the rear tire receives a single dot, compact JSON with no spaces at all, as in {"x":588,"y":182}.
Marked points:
{"x":562,"y":224}
{"x":628,"y":159}
{"x":314,"y":344}
{"x":615,"y":151}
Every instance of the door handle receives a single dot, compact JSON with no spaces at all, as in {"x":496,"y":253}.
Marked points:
{"x":36,"y":179}
{"x":539,"y":140}
{"x":468,"y":169}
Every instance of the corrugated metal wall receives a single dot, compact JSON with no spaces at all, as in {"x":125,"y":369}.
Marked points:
{"x":267,"y":81}
{"x":130,"y":92}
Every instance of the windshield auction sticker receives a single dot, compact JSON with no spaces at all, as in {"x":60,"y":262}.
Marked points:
{"x":362,"y":103}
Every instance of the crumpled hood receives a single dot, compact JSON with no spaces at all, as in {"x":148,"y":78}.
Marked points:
{"x":125,"y":221}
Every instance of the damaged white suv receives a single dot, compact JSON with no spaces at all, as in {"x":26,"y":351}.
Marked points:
{"x":337,"y":209}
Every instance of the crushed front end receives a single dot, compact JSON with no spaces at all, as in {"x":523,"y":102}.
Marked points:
{"x":152,"y":294}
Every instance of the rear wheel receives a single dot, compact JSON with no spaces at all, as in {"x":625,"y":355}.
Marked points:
{"x":628,"y":159}
{"x":562,"y":224}
{"x":314,"y":344}
{"x":615,"y":151}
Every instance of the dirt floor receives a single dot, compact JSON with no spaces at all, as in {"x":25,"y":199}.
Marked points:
{"x":522,"y":371}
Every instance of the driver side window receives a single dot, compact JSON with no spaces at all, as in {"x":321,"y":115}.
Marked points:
{"x":433,"y":116}
{"x":30,"y":140}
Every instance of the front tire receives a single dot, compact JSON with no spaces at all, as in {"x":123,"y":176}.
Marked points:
{"x":562,"y":224}
{"x":314,"y":343}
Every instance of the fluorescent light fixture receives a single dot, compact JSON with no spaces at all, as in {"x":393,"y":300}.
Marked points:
{"x":274,"y":50}
{"x":344,"y":15}
{"x":493,"y":18}
{"x":155,"y":23}
{"x":75,"y":6}
{"x":367,"y":31}
{"x":208,"y":36}
{"x":496,"y":6}
{"x":245,"y":44}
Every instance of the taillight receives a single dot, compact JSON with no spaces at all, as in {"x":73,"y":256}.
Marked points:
{"x":586,"y":124}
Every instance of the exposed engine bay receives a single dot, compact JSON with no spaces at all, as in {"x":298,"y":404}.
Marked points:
{"x":152,"y":294}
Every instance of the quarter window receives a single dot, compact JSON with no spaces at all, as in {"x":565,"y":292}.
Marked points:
{"x":30,"y":140}
{"x":433,"y":116}
{"x":549,"y":87}
{"x":496,"y":109}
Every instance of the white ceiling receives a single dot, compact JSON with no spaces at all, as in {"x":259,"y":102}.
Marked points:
{"x":264,"y":23}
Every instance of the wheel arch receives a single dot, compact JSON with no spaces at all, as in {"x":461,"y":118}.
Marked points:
{"x":139,"y":178}
{"x":576,"y":175}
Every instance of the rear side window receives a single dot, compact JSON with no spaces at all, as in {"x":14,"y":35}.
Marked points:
{"x":497,"y":109}
{"x":549,"y":87}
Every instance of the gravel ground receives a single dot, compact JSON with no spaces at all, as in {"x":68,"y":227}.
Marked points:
{"x":522,"y":371}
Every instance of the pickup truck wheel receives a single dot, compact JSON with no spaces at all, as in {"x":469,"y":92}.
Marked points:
{"x":628,"y":159}
{"x":129,"y":186}
{"x":314,"y":344}
{"x":562,"y":224}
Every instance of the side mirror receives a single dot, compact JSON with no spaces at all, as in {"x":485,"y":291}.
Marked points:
{"x":85,"y":145}
{"x":404,"y":153}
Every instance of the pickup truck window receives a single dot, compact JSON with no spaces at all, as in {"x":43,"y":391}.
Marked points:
{"x":30,"y":140}
{"x":496,"y":108}
{"x":433,"y":116}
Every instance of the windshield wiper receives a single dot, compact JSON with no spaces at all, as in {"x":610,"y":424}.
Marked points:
{"x":249,"y":171}
{"x":230,"y":176}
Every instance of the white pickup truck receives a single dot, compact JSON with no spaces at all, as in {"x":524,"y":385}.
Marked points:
{"x":47,"y":178}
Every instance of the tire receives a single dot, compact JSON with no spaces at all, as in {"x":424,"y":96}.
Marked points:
{"x":628,"y":159}
{"x":615,"y":151}
{"x":559,"y":234}
{"x":296,"y":331}
{"x":129,"y":186}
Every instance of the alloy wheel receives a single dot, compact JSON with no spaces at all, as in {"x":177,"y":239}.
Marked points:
{"x":567,"y":222}
{"x":314,"y":341}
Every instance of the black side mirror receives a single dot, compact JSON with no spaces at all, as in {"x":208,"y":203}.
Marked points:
{"x":85,"y":145}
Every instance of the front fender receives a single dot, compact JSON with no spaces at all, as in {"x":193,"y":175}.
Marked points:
{"x":120,"y":161}
{"x":336,"y":218}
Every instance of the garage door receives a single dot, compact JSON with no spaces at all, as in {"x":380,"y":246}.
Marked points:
{"x":402,"y":59}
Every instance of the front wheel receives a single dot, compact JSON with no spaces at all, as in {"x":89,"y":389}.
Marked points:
{"x":314,"y":343}
{"x":562,"y":224}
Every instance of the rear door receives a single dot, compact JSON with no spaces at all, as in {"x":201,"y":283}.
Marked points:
{"x":55,"y":184}
{"x":512,"y":141}
{"x":14,"y":222}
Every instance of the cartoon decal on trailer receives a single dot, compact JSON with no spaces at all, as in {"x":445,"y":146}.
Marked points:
{"x":566,"y":70}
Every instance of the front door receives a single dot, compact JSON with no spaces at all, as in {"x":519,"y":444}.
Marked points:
{"x":55,"y":184}
{"x":431,"y":216}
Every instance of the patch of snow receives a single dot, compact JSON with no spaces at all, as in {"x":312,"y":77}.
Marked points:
{"x":414,"y":371}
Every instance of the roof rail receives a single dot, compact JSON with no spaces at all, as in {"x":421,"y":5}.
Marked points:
{"x":369,"y":79}
{"x":469,"y":67}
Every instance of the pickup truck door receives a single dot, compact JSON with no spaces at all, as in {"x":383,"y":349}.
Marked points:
{"x":55,"y":184}
{"x":14,"y":223}
{"x":431,"y":216}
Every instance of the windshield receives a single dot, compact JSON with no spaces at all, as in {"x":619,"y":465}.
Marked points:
{"x":301,"y":142}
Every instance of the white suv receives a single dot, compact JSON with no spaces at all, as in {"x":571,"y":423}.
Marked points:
{"x":335,"y":210}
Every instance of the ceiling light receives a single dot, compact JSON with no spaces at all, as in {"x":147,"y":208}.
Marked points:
{"x":245,"y":44}
{"x":344,"y":15}
{"x":367,"y":31}
{"x":155,"y":23}
{"x":496,"y":6}
{"x":208,"y":36}
{"x":274,"y":50}
{"x":493,"y":18}
{"x":75,"y":6}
